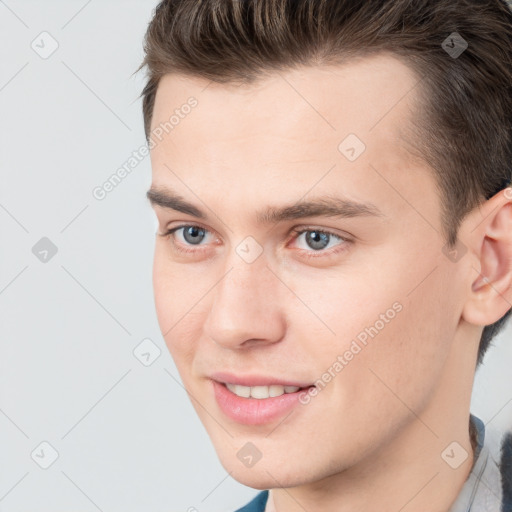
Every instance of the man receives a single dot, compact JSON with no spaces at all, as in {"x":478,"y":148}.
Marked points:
{"x":334,"y":246}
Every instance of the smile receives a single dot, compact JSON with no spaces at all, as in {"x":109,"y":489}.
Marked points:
{"x":260,"y":392}
{"x":256,"y":405}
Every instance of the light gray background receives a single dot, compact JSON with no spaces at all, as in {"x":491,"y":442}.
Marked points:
{"x":126,"y":434}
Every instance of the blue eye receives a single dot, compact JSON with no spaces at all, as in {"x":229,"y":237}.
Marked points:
{"x":193,"y":234}
{"x":316,"y":239}
{"x":319,"y":242}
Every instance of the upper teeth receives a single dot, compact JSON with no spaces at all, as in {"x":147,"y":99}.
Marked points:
{"x":261,"y":391}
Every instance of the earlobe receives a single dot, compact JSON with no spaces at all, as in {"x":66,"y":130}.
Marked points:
{"x":491,"y":290}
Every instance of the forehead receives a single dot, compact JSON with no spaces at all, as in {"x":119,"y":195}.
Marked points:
{"x":363,"y":90}
{"x":289,"y":126}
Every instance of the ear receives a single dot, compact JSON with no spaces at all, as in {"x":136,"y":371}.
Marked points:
{"x":488,"y":231}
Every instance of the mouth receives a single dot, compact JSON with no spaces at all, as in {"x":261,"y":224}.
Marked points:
{"x":257,"y":404}
{"x":262,"y":392}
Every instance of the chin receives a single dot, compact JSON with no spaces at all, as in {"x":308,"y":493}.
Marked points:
{"x":262,"y":483}
{"x":266,"y":475}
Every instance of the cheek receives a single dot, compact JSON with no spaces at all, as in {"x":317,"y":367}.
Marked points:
{"x":162,"y":291}
{"x":338,"y":306}
{"x":375,"y":323}
{"x":404,"y":361}
{"x":177,"y":288}
{"x":175,"y":294}
{"x":401,"y":362}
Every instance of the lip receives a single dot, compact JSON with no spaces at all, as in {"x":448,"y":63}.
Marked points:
{"x":256,"y":380}
{"x":254,"y":411}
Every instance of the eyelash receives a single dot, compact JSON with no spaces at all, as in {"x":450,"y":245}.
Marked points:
{"x":297,"y":231}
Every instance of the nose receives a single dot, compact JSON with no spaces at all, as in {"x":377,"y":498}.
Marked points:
{"x":246,"y":308}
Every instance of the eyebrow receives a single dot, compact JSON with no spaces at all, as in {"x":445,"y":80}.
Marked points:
{"x":327,"y":206}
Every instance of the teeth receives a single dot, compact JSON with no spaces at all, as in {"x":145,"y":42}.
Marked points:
{"x":261,"y":392}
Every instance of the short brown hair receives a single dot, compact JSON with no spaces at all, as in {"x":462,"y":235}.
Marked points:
{"x":464,"y":131}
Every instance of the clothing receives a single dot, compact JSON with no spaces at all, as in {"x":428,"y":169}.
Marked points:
{"x":488,"y":487}
{"x":257,"y":504}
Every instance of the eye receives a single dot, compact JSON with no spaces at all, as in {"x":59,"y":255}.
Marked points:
{"x":192,"y":235}
{"x":317,"y":240}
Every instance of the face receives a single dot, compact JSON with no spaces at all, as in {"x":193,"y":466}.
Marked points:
{"x":305,"y":250}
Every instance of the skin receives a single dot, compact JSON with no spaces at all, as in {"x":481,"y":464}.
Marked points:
{"x":382,"y":422}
